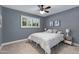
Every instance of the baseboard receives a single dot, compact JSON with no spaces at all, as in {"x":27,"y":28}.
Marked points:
{"x":76,"y":44}
{"x":3,"y":44}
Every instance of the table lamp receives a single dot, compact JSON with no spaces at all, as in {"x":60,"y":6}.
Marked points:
{"x":67,"y":32}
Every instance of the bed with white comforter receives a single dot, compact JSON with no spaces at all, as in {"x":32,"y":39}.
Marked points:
{"x":46,"y":40}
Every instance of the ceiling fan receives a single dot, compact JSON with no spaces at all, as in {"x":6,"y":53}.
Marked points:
{"x":44,"y":9}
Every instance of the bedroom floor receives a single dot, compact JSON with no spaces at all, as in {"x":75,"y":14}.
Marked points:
{"x":30,"y":48}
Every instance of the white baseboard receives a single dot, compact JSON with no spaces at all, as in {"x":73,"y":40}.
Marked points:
{"x":76,"y":44}
{"x":3,"y":44}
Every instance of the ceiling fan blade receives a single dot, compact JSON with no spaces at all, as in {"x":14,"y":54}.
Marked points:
{"x":47,"y":11}
{"x":48,"y":7}
{"x":41,"y":7}
{"x":44,"y":9}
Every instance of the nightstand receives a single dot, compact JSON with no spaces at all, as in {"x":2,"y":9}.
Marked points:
{"x":68,"y":40}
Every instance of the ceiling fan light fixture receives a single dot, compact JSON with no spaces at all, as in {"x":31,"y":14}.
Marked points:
{"x":42,"y":12}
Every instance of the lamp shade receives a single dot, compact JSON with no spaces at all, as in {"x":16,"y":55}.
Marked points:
{"x":67,"y":30}
{"x":42,"y":12}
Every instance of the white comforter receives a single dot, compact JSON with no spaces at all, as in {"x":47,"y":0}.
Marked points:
{"x":46,"y":40}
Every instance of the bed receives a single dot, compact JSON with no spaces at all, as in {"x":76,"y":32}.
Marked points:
{"x":46,"y":40}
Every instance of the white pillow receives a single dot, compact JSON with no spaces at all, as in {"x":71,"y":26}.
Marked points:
{"x":54,"y":30}
{"x":59,"y":32}
{"x":49,"y":31}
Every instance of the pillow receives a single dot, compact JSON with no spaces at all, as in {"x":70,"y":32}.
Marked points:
{"x":59,"y":32}
{"x":54,"y":30}
{"x":49,"y":31}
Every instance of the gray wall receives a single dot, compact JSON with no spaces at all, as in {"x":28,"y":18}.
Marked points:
{"x":11,"y":25}
{"x":69,"y":19}
{"x":0,"y":24}
{"x":12,"y":30}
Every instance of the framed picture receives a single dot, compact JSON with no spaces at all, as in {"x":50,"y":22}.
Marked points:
{"x":56,"y":23}
{"x":29,"y":22}
{"x":51,"y":23}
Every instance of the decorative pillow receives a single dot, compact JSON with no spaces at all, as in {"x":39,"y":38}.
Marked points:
{"x":49,"y":31}
{"x":55,"y":30}
{"x":59,"y":32}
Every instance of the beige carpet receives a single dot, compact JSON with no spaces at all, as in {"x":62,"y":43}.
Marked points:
{"x":30,"y":48}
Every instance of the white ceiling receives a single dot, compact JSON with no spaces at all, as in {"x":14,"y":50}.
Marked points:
{"x":33,"y":9}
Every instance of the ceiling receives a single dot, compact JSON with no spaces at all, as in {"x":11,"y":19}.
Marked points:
{"x":33,"y":9}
